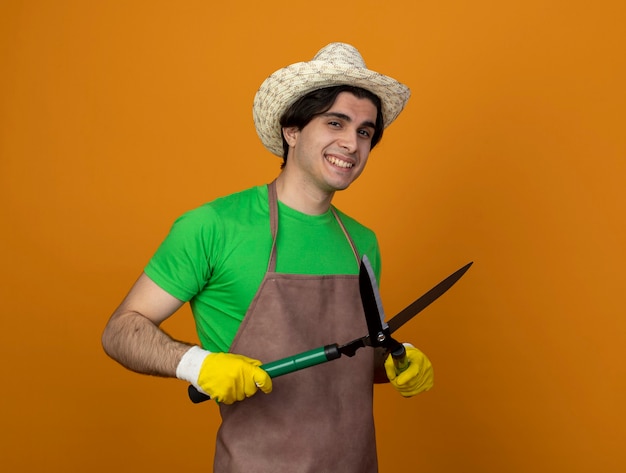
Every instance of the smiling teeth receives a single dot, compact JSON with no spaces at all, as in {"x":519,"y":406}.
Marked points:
{"x":339,"y":162}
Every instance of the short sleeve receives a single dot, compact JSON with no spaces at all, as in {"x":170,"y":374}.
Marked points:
{"x":182,"y":264}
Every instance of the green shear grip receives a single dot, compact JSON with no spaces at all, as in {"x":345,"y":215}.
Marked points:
{"x":302,"y":360}
{"x":285,"y":366}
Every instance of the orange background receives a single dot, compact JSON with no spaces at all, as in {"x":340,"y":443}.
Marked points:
{"x":115,"y":117}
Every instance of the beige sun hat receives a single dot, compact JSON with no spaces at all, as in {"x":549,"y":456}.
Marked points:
{"x":334,"y":64}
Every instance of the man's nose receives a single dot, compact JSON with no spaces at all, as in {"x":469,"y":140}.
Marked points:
{"x":347,"y":140}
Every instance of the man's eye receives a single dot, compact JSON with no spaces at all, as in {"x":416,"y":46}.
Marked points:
{"x":333,"y":123}
{"x":364,"y":133}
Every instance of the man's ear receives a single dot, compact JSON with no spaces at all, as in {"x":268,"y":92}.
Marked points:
{"x":291,"y":135}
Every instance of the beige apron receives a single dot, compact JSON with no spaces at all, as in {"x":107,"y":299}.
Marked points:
{"x":318,"y":419}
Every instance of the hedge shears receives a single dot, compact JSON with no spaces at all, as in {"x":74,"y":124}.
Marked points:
{"x":379,"y":331}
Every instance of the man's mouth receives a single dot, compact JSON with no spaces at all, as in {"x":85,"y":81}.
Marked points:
{"x":339,"y":162}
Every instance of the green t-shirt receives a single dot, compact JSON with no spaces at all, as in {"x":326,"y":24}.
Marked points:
{"x":216,"y":256}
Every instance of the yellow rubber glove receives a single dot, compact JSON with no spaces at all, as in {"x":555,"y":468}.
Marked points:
{"x":227,"y":377}
{"x":416,"y":378}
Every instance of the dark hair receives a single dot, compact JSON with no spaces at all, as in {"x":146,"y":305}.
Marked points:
{"x":303,"y":110}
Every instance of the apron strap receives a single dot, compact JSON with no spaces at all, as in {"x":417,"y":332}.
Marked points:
{"x":273,"y":206}
{"x":345,"y":232}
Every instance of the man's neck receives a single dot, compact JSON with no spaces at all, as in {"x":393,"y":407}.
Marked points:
{"x":302,"y":196}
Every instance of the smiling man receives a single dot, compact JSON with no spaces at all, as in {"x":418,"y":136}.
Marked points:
{"x":272,"y":271}
{"x":330,"y":151}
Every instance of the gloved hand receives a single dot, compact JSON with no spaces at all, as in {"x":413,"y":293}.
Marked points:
{"x":226,"y":377}
{"x":416,"y":378}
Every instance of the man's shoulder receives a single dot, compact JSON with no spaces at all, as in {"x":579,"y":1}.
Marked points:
{"x":353,"y":224}
{"x":245,"y":195}
{"x":232,"y":204}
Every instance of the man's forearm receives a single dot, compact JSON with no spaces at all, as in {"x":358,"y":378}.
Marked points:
{"x":137,"y":343}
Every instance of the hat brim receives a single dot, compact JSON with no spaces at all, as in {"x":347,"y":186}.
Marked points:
{"x":280,"y":90}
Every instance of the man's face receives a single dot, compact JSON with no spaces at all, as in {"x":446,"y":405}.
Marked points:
{"x":331,"y":151}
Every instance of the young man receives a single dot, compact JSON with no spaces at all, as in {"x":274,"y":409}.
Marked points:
{"x":273,"y":271}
